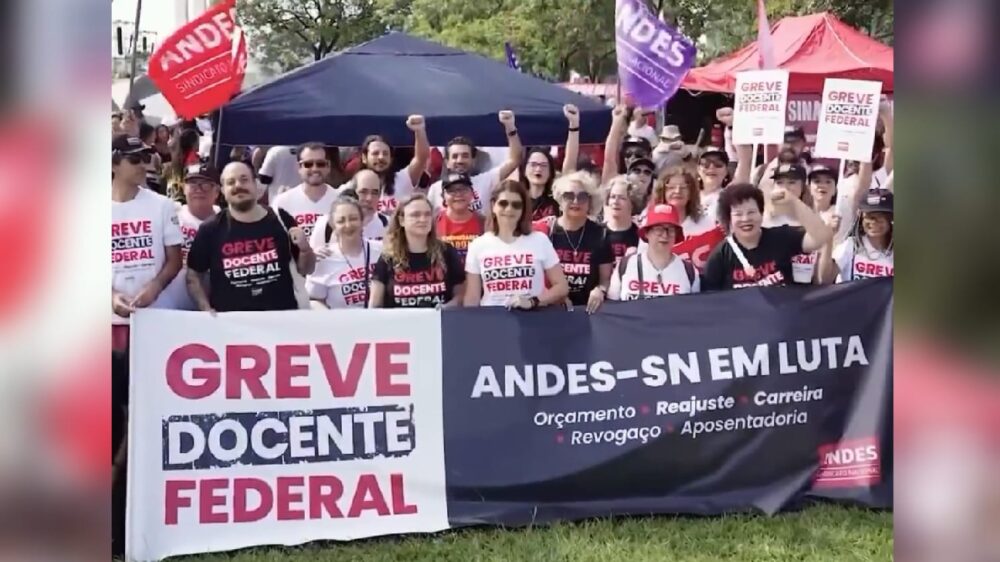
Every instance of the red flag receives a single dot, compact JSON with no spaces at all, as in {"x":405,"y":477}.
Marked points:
{"x":765,"y":45}
{"x":696,"y":249}
{"x":201,"y":66}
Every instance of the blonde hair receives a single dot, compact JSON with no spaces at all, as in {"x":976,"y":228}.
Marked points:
{"x":632,"y":192}
{"x":565,"y":183}
{"x":693,"y":208}
{"x":395,"y":246}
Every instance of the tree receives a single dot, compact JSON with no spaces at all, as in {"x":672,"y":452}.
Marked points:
{"x":287,"y":33}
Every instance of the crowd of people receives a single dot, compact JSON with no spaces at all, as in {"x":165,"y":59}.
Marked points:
{"x":324,"y":227}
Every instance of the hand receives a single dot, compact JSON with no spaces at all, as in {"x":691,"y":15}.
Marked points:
{"x":519,"y":302}
{"x":780,"y":197}
{"x":324,"y":252}
{"x":147,"y":295}
{"x":572,"y":115}
{"x":885,"y":110}
{"x":725,"y":115}
{"x":595,"y":300}
{"x":506,"y":119}
{"x":299,"y":238}
{"x":834,"y":223}
{"x":416,"y":123}
{"x":618,"y":113}
{"x":130,"y":124}
{"x":121,"y":306}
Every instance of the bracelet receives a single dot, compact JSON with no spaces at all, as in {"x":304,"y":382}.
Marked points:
{"x":512,"y":133}
{"x":574,"y":129}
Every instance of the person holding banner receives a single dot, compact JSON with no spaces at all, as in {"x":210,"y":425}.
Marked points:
{"x":341,"y":279}
{"x":868,"y":252}
{"x":753,"y":255}
{"x":377,"y":156}
{"x":416,"y":269}
{"x":620,"y":230}
{"x":582,"y":245}
{"x":654,"y":271}
{"x":247,"y":251}
{"x":510,"y":265}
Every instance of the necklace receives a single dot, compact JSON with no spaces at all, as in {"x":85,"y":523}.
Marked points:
{"x":350,"y":266}
{"x":576,"y":247}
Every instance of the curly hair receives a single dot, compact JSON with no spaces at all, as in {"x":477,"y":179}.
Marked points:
{"x":693,"y":207}
{"x":394,"y":244}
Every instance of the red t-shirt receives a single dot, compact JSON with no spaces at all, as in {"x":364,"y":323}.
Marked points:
{"x":459,"y":234}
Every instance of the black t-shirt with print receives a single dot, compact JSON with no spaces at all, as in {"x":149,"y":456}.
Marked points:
{"x":581,"y":253}
{"x":544,"y":206}
{"x":621,"y":240}
{"x":420,"y":285}
{"x":771,"y":260}
{"x":248,"y":263}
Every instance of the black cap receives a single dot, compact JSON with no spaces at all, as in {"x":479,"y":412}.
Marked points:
{"x":790,"y":171}
{"x":641,"y":142}
{"x":794,"y":132}
{"x":714,"y":151}
{"x":878,"y":200}
{"x":454,"y":178}
{"x":821,"y":170}
{"x":203,"y":170}
{"x":127,"y":144}
{"x":642,"y":162}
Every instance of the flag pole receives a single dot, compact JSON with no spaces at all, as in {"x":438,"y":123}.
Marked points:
{"x":135,"y":48}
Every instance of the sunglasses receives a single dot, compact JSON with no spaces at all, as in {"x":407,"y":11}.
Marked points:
{"x":504,"y":203}
{"x":310,"y":164}
{"x":578,"y":196}
{"x":138,"y":158}
{"x":635,"y":153}
{"x":708,"y":163}
{"x":643,"y":171}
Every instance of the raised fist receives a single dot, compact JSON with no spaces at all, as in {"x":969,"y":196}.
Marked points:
{"x":834,"y":222}
{"x":725,"y":115}
{"x":572,"y":115}
{"x":506,"y":119}
{"x":779,"y":196}
{"x":415,"y":123}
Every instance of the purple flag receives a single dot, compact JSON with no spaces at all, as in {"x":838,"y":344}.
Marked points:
{"x":653,"y":57}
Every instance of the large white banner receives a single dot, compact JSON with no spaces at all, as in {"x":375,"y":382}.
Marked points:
{"x":759,"y":107}
{"x":846,"y":128}
{"x":281,"y":428}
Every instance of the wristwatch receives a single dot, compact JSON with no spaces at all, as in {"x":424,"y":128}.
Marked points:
{"x":535,"y":303}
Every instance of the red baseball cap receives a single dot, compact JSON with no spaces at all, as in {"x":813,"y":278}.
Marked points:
{"x":659,"y":215}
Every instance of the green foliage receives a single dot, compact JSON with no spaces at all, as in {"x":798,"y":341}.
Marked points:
{"x":551,"y":38}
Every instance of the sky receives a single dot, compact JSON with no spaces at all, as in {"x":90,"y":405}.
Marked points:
{"x":157,"y":15}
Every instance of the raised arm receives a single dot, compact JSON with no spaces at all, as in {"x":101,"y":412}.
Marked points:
{"x":613,"y":145}
{"x":572,"y":139}
{"x":744,"y":166}
{"x":421,"y":148}
{"x":885,"y":114}
{"x":513,"y":143}
{"x":817,"y":232}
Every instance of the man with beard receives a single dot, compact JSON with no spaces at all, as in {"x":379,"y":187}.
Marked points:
{"x":378,"y":156}
{"x":460,"y":155}
{"x":246,"y":251}
{"x":793,"y":151}
{"x":312,"y":198}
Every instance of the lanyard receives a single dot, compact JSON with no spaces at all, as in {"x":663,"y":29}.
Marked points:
{"x":747,"y":268}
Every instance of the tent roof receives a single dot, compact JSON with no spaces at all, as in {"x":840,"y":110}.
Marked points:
{"x":373,"y":87}
{"x":812,"y":48}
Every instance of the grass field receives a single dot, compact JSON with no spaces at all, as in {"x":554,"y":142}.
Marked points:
{"x":827,"y":533}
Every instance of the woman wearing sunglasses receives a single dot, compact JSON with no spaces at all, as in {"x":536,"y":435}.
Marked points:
{"x":416,"y":269}
{"x":642,"y":174}
{"x":713,"y":168}
{"x":621,"y":230}
{"x":868,"y":251}
{"x":581,"y":244}
{"x":655,"y":271}
{"x":510,"y":265}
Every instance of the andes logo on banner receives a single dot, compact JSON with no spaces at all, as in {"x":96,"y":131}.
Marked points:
{"x":201,"y":66}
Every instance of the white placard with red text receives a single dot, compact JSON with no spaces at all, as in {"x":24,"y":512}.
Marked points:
{"x":847,"y":119}
{"x":761,"y":97}
{"x":282,"y":428}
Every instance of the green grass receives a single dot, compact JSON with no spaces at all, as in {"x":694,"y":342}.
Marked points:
{"x":827,"y":533}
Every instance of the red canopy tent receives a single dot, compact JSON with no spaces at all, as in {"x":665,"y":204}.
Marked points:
{"x":812,"y":48}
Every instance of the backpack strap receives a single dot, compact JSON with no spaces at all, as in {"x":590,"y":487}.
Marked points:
{"x":638,"y":269}
{"x":368,"y":267}
{"x":383,"y":219}
{"x":691,"y":273}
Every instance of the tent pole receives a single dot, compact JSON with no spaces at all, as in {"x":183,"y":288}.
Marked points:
{"x":135,"y":49}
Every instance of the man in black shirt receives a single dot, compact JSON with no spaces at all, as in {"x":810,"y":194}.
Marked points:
{"x":246,"y":250}
{"x":752,"y":256}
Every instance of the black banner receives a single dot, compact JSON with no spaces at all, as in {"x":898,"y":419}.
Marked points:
{"x":705,"y":404}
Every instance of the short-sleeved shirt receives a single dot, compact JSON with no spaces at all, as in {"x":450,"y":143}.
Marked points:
{"x":621,"y":240}
{"x":510,"y":270}
{"x":342,"y":281}
{"x":248,"y":263}
{"x":420,"y":285}
{"x":304,"y":210}
{"x":867,"y":264}
{"x":771,"y":260}
{"x":482,"y":189}
{"x":581,"y":252}
{"x":141,"y":231}
{"x":638,"y":278}
{"x":459,"y":234}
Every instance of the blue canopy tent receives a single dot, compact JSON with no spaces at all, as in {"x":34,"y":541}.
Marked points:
{"x":373,"y":87}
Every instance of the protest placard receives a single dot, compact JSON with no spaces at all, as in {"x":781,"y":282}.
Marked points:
{"x":759,"y":109}
{"x":847,"y":119}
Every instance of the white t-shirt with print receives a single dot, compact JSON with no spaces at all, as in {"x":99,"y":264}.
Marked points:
{"x":482,"y":189}
{"x":869,"y":264}
{"x":141,"y":230}
{"x":341,"y":281}
{"x":710,"y":205}
{"x":177,"y":291}
{"x":510,"y":270}
{"x":402,"y":187}
{"x":673,"y":280}
{"x":304,"y":210}
{"x":282,"y":165}
{"x":373,"y":230}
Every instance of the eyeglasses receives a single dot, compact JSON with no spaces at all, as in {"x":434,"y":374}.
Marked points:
{"x":617,"y":197}
{"x":139,"y":158}
{"x":199,"y":185}
{"x":538,"y":164}
{"x":310,"y":164}
{"x":635,"y":153}
{"x":680,"y":188}
{"x":504,"y":203}
{"x":577,"y":196}
{"x":662,"y":230}
{"x":708,"y":163}
{"x":368,"y":192}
